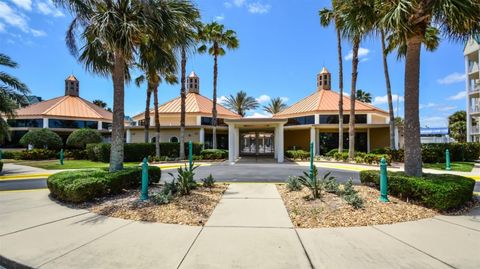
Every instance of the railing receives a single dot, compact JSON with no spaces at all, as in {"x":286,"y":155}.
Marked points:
{"x":475,"y":130}
{"x":472,"y":67}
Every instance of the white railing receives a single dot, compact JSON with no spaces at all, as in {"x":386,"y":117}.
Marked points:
{"x":475,"y":130}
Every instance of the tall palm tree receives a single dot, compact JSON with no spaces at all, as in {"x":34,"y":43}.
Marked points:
{"x":358,"y":18}
{"x":241,"y":103}
{"x":12,"y":94}
{"x":146,"y":126}
{"x":364,"y":96}
{"x":327,"y":16}
{"x":111,"y":32}
{"x":216,"y":37}
{"x":456,"y":20}
{"x":275,"y":106}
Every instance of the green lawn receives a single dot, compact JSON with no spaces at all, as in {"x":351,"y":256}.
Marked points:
{"x":455,"y":166}
{"x":70,"y":164}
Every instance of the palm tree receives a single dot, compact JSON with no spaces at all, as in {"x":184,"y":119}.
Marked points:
{"x":111,"y":34}
{"x":363,"y":96}
{"x":240,"y":103}
{"x":327,"y":16}
{"x":358,"y":18}
{"x":138,"y":82}
{"x":456,"y":20}
{"x":101,"y":104}
{"x":275,"y":106}
{"x":215,"y":36}
{"x":12,"y":94}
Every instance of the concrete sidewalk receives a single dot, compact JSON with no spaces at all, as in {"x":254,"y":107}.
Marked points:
{"x":249,"y":228}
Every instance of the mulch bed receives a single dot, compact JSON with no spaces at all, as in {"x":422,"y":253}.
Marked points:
{"x":332,"y":211}
{"x":193,"y":209}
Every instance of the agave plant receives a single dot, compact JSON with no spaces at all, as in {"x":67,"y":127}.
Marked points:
{"x":185,"y":180}
{"x":312,"y":183}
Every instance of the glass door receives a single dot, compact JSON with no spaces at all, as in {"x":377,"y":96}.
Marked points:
{"x":256,"y":143}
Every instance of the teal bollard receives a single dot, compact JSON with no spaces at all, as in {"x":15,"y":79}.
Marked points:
{"x":190,"y":154}
{"x":1,"y":153}
{"x":62,"y":156}
{"x":447,"y":160}
{"x":311,"y":160}
{"x":144,"y":194}
{"x":383,"y":181}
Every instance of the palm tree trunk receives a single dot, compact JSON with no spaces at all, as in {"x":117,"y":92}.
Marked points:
{"x":340,"y":86}
{"x":118,"y":78}
{"x":157,"y":120}
{"x":214,"y":99}
{"x":351,"y":123}
{"x":389,"y":92}
{"x":413,"y":151}
{"x":147,"y":114}
{"x":182,"y":105}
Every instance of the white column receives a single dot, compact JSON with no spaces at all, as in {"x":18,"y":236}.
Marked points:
{"x":45,"y":122}
{"x":99,"y":127}
{"x":312,"y":138}
{"x":467,"y":88}
{"x":317,"y":142}
{"x":231,"y":143}
{"x":317,"y":119}
{"x":368,"y":139}
{"x":199,"y":120}
{"x":201,"y":135}
{"x":397,"y":138}
{"x":280,"y":143}
{"x":237,"y":143}
{"x":275,"y":142}
{"x":129,"y":136}
{"x":369,"y":118}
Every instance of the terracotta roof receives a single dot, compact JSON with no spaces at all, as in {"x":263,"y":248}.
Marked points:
{"x":193,"y":75}
{"x":72,"y":78}
{"x":324,"y":71}
{"x":194,"y":103}
{"x":66,"y":106}
{"x":324,"y":101}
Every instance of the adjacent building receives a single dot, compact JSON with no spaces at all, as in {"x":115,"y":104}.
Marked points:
{"x":63,"y":115}
{"x":312,"y":119}
{"x":472,"y":60}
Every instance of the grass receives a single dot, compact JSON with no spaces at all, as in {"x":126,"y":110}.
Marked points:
{"x":70,"y":164}
{"x":455,"y":166}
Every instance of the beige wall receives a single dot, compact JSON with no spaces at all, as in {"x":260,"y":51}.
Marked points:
{"x":379,"y":138}
{"x":377,"y":119}
{"x":165,"y":135}
{"x":298,"y":138}
{"x":174,"y":120}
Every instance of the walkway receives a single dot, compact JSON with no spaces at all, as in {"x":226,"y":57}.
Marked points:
{"x":249,"y":228}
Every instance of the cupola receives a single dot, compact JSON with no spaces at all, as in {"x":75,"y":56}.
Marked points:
{"x":193,"y":83}
{"x":324,"y":80}
{"x":72,"y":86}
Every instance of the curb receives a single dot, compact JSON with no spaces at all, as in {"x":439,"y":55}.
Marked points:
{"x":12,"y":264}
{"x":24,"y":176}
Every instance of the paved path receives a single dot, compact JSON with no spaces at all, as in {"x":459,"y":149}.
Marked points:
{"x":249,"y":228}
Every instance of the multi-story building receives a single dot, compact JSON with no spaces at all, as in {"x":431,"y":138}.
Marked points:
{"x":472,"y":61}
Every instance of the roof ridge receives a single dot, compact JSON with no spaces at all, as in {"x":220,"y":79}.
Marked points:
{"x":320,"y":98}
{"x":363,"y":103}
{"x":61,"y":98}
{"x":88,"y":105}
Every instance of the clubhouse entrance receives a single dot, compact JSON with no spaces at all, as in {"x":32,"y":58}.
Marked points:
{"x":254,"y":143}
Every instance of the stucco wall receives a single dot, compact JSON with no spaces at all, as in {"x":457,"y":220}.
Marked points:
{"x":174,"y":120}
{"x":379,"y":138}
{"x":165,"y":135}
{"x":377,"y":119}
{"x":298,"y":138}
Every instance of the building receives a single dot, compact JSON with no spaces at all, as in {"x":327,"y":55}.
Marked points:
{"x":63,"y":115}
{"x":312,"y":119}
{"x":472,"y":60}
{"x":435,"y":135}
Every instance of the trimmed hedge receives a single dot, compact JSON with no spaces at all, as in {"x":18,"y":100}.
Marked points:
{"x":214,"y":154}
{"x":85,"y":185}
{"x":42,"y":138}
{"x":297,"y":154}
{"x":440,"y":192}
{"x":435,"y":153}
{"x":81,"y":137}
{"x":135,"y":152}
{"x":36,"y":154}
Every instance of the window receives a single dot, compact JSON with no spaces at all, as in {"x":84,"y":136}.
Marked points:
{"x":173,"y":139}
{"x":73,"y":124}
{"x":329,"y":141}
{"x":301,"y":120}
{"x":208,"y":121}
{"x":333,"y":119}
{"x":106,"y":125}
{"x":26,"y":123}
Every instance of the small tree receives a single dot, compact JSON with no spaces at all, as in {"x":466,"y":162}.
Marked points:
{"x":42,"y":138}
{"x":81,"y":137}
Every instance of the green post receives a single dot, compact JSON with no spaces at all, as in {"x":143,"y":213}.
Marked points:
{"x":311,"y":160}
{"x":144,"y":194}
{"x":383,"y":181}
{"x":1,"y":155}
{"x":190,"y":154}
{"x":61,"y":156}
{"x":447,"y":160}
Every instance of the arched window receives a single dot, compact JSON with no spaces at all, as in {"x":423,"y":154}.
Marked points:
{"x":154,"y":139}
{"x":173,"y":139}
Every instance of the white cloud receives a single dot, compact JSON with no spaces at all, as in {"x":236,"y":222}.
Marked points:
{"x":236,"y":3}
{"x":37,"y":33}
{"x":259,"y":115}
{"x":452,"y":78}
{"x":263,"y":98}
{"x":379,"y":100}
{"x":24,"y":4}
{"x":446,"y":108}
{"x":362,"y":54}
{"x":219,"y":18}
{"x":258,"y":8}
{"x":459,"y":96}
{"x":2,"y":27}
{"x":284,"y":99}
{"x":47,"y":8}
{"x":429,"y":105}
{"x":435,"y":121}
{"x":221,"y":99}
{"x":17,"y":20}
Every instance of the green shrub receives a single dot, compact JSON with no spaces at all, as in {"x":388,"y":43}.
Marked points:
{"x":81,"y":137}
{"x":293,"y":184}
{"x":161,"y":198}
{"x":37,"y":154}
{"x":298,"y":154}
{"x":76,"y":154}
{"x":214,"y":154}
{"x":341,"y":156}
{"x":312,"y":183}
{"x":85,"y":185}
{"x":1,"y":166}
{"x":9,"y":154}
{"x":333,"y":151}
{"x":330,"y":183}
{"x":208,"y":182}
{"x":435,"y":153}
{"x":41,"y":139}
{"x":354,"y":200}
{"x":441,"y":192}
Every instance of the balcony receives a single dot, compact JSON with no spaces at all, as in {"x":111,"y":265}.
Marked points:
{"x":472,"y":67}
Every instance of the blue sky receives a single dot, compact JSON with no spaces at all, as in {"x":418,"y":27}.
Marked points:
{"x":282,"y":48}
